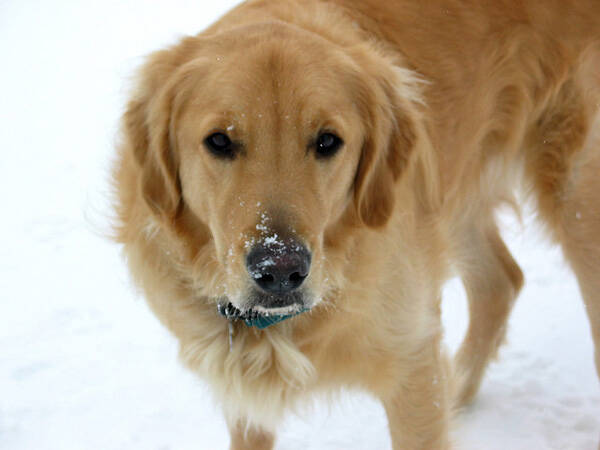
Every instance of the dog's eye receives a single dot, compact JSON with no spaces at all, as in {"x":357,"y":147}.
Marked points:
{"x":220,"y":145}
{"x":327,"y":145}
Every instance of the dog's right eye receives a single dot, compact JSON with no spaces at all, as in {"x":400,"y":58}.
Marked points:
{"x":220,"y":145}
{"x":327,"y":145}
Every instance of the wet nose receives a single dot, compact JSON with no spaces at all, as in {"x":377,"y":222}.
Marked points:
{"x":280,"y":267}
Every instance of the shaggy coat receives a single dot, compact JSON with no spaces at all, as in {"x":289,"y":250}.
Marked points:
{"x":443,"y":108}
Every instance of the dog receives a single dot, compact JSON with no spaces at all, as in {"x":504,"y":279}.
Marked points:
{"x":296,"y":183}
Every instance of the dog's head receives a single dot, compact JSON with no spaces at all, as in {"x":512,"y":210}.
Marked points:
{"x":264,"y":139}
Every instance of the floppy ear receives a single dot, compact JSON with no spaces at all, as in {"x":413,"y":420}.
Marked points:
{"x":148,"y":127}
{"x":387,"y":147}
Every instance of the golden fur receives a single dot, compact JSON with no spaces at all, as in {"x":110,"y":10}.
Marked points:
{"x":445,"y":107}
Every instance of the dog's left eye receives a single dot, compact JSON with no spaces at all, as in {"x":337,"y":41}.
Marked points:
{"x":327,"y":145}
{"x":220,"y":145}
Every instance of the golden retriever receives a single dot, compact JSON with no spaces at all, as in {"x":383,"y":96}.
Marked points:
{"x":296,"y":183}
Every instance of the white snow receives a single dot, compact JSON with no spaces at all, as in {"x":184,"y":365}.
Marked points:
{"x":85,"y":365}
{"x":272,"y":240}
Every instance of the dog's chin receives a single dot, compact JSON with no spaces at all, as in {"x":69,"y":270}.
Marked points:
{"x":262,"y":309}
{"x":262,"y":301}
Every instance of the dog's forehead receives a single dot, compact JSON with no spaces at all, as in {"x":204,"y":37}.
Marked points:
{"x":276,"y":66}
{"x":271,"y":40}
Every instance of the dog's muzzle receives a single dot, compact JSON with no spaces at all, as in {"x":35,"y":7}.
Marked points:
{"x":277,"y":268}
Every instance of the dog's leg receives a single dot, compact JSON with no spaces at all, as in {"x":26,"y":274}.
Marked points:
{"x":579,"y":235}
{"x":418,"y":411}
{"x":492,"y":280}
{"x":565,"y":165}
{"x":243,"y":438}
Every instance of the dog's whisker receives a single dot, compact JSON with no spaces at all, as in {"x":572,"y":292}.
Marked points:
{"x":230,"y":334}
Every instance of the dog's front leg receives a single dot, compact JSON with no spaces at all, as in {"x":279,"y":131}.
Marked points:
{"x":418,"y":411}
{"x":249,"y":438}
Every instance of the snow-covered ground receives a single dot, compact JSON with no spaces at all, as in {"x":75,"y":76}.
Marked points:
{"x":83,"y":363}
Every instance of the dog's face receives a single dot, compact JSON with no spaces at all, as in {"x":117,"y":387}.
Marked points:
{"x":270,"y":137}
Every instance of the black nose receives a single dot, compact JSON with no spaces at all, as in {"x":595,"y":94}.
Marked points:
{"x":278,"y":267}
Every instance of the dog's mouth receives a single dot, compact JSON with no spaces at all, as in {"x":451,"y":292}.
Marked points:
{"x":259,"y":316}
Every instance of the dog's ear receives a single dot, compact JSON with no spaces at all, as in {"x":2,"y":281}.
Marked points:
{"x":148,"y":125}
{"x":390,"y":138}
